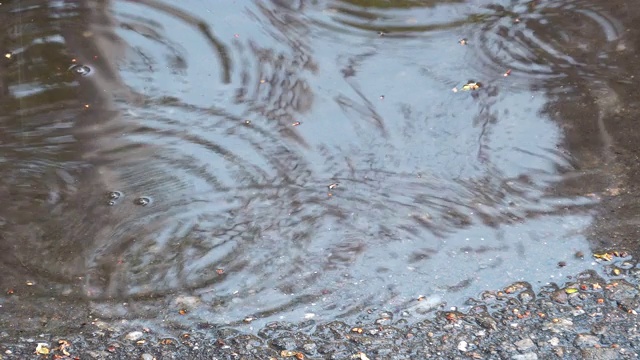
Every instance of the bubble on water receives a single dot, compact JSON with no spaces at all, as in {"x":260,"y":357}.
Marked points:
{"x":142,"y":201}
{"x":78,"y":69}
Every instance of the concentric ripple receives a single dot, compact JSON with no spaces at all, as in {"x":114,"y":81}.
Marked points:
{"x":286,"y":160}
{"x":543,"y":40}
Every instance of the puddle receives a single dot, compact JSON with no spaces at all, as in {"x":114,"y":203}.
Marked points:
{"x":294,"y":162}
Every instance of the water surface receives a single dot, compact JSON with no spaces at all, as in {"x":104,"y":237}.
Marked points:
{"x":296,"y":160}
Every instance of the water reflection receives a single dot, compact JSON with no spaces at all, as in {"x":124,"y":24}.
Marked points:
{"x":281,"y":158}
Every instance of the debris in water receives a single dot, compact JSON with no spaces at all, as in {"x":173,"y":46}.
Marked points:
{"x":608,"y":256}
{"x":471,"y":85}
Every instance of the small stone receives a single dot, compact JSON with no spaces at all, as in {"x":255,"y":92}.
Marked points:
{"x":462,"y":346}
{"x":285,"y":343}
{"x":600,"y":354}
{"x":577,"y":312}
{"x":189,"y":302}
{"x":586,"y":341}
{"x":524,"y":344}
{"x":146,"y":357}
{"x":559,"y":296}
{"x":99,"y":354}
{"x":554,"y":341}
{"x":383,"y":353}
{"x":527,"y":356}
{"x":559,"y":325}
{"x":487,"y":322}
{"x":134,"y":335}
{"x":309,"y":347}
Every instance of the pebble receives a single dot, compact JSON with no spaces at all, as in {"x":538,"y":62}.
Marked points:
{"x":577,"y":312}
{"x":99,"y":354}
{"x":586,"y":341}
{"x":559,"y":325}
{"x":527,"y":356}
{"x":134,"y":335}
{"x":146,"y":357}
{"x":462,"y":346}
{"x":524,"y":344}
{"x":309,"y":347}
{"x":600,"y":354}
{"x":190,"y":302}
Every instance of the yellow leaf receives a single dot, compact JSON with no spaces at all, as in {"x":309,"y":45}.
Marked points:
{"x":42,"y":349}
{"x":603,"y":256}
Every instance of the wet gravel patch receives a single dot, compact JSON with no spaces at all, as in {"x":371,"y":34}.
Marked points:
{"x":589,"y":317}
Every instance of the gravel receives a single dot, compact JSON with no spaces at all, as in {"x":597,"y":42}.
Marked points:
{"x":596,"y":319}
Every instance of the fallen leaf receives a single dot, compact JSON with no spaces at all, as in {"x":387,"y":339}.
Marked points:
{"x":471,"y":85}
{"x":42,"y":349}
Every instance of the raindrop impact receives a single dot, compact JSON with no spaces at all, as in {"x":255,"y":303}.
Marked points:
{"x":142,"y":201}
{"x":114,"y":195}
{"x":78,"y":69}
